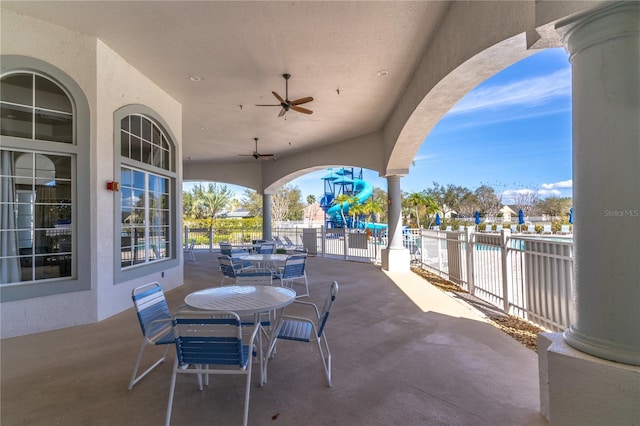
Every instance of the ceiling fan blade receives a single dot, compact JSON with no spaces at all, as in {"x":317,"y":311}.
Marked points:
{"x":278,"y":105}
{"x":302,"y":110}
{"x":302,"y":101}
{"x":278,"y":97}
{"x":282,"y":112}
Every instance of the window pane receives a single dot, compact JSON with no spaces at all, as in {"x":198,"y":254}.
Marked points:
{"x":146,"y":152}
{"x":54,"y":126}
{"x":124,"y":123}
{"x":156,"y":158}
{"x":50,"y":96}
{"x":17,"y":88}
{"x":146,"y":129}
{"x":125,"y":177}
{"x":135,"y":129}
{"x":165,"y":161}
{"x":16,"y":121}
{"x":138,"y":180}
{"x":137,"y":216}
{"x":126,"y":197}
{"x":136,"y":149}
{"x":156,"y":138}
{"x":124,"y":144}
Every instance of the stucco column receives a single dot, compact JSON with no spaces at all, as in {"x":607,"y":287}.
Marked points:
{"x":590,"y":374}
{"x":395,"y":257}
{"x":266,"y":217}
{"x":604,"y":50}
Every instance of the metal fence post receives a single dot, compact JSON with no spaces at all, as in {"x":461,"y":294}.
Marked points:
{"x":471,"y":246}
{"x":345,"y":242}
{"x":186,"y":236}
{"x":505,"y":234}
{"x":323,"y":234}
{"x":211,"y":238}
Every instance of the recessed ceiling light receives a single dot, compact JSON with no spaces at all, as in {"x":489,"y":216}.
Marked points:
{"x":382,"y":73}
{"x":196,"y":78}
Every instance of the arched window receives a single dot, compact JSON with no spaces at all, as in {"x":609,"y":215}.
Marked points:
{"x":37,"y":186}
{"x":147,"y":176}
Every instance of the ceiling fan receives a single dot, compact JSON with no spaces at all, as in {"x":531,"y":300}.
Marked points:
{"x":259,"y":156}
{"x":286,"y":104}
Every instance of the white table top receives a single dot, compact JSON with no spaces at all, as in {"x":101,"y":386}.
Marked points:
{"x":243,"y":300}
{"x":275,"y":257}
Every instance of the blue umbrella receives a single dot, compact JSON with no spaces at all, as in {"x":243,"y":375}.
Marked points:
{"x":571,"y":215}
{"x":477,"y":217}
{"x":520,"y":217}
{"x":438,"y":219}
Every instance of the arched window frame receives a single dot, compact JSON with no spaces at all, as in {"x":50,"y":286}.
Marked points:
{"x":148,"y":250}
{"x":79,"y":152}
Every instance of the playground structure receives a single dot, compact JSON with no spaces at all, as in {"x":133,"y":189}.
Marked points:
{"x":345,"y":181}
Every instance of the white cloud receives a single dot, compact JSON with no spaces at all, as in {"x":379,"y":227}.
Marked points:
{"x":558,"y":185}
{"x":549,"y":193}
{"x":528,"y":92}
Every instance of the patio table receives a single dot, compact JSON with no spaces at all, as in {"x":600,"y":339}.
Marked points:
{"x":243,"y":300}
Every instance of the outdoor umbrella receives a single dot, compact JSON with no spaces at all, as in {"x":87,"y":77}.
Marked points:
{"x":477,"y":217}
{"x":520,"y":217}
{"x":438,"y":219}
{"x":571,"y":215}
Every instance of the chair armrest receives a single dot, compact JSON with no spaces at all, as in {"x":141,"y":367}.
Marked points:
{"x":313,"y":305}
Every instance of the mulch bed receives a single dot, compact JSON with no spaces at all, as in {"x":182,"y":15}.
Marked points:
{"x":521,"y":330}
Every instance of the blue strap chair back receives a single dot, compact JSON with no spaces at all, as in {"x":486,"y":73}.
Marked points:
{"x":227,"y":267}
{"x":258,"y":276}
{"x":212,"y":341}
{"x":267,"y":248}
{"x":154,"y":318}
{"x":326,"y":309}
{"x":225,"y":248}
{"x":294,"y":266}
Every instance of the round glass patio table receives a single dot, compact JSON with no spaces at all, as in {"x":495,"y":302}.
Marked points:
{"x":267,"y":257}
{"x":243,"y":300}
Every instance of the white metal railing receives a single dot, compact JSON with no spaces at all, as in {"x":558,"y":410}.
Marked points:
{"x":527,"y":276}
{"x":530,"y":277}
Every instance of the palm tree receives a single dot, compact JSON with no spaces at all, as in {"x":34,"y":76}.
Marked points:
{"x":343,"y":200}
{"x":211,"y":201}
{"x":371,"y":208}
{"x":419,"y":200}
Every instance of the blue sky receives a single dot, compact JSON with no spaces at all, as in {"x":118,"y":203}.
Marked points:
{"x":512,"y":132}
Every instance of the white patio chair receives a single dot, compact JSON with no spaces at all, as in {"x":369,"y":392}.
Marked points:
{"x":565,"y":229}
{"x":294,"y":270}
{"x":546,"y":229}
{"x":306,"y":330}
{"x":231,"y":267}
{"x":211,"y":343}
{"x":188,"y":251}
{"x":155,"y":322}
{"x":291,"y":243}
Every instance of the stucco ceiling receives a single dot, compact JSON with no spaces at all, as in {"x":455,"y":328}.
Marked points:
{"x":333,"y":51}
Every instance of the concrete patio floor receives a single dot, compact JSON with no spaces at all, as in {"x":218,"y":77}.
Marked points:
{"x":404,"y":353}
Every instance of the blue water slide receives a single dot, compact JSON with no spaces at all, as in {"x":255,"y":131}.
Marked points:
{"x":363,"y":191}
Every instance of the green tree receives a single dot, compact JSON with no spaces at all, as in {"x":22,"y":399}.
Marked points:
{"x":380,"y":198}
{"x":252,"y":202}
{"x":447,"y":197}
{"x":555,"y":206}
{"x":371,"y":208}
{"x":343,"y":200}
{"x":207,"y":202}
{"x":420,"y":201}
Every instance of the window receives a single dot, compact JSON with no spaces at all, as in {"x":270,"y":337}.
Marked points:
{"x":37,"y":233}
{"x":146,"y":231}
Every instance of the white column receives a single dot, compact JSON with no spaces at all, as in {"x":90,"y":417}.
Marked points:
{"x":604,"y":50}
{"x":266,"y":217}
{"x":590,"y":374}
{"x":395,"y":257}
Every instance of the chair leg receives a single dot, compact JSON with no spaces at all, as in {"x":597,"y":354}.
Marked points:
{"x":171,"y":392}
{"x":326,"y":362}
{"x":135,"y":379}
{"x":246,"y":396}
